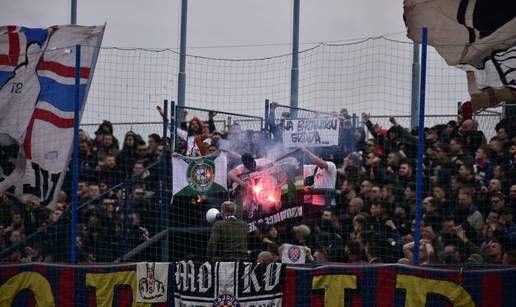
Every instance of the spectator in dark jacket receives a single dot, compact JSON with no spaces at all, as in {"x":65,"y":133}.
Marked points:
{"x":228,"y":240}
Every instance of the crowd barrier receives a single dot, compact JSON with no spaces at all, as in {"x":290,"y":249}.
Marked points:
{"x":41,"y":284}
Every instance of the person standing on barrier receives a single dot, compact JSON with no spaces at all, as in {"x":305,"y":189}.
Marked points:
{"x":228,"y":240}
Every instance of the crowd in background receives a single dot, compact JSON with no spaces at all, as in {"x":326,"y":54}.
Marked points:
{"x":469,"y":195}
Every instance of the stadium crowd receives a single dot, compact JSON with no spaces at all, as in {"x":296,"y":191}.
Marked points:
{"x":469,"y":195}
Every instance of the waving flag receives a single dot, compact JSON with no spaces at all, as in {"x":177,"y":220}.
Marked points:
{"x":478,"y":35}
{"x":37,"y":99}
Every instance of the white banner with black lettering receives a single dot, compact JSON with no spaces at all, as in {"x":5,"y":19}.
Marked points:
{"x":228,"y":284}
{"x":311,"y":132}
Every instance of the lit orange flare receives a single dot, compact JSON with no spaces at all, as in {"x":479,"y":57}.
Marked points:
{"x":258,"y":189}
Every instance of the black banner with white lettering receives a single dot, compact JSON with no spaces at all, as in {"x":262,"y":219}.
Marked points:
{"x":276,"y":192}
{"x":228,"y":284}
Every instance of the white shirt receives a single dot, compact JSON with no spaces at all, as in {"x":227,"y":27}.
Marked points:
{"x":323,"y":179}
{"x":191,"y":148}
{"x":260,"y":163}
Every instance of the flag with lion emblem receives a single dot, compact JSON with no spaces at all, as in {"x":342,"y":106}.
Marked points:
{"x":199,"y":175}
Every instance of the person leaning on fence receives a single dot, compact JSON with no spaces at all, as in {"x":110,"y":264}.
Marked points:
{"x":228,"y":240}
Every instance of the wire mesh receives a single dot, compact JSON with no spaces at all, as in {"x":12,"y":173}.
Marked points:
{"x":354,"y":207}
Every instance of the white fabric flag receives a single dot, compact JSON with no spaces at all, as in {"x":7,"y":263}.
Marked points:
{"x":37,"y":103}
{"x":463,"y":32}
{"x":152,"y":282}
{"x":478,"y":36}
{"x":293,"y":254}
{"x":199,"y":175}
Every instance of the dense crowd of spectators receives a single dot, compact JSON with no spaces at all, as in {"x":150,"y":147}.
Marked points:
{"x":469,"y":195}
{"x":468,"y":198}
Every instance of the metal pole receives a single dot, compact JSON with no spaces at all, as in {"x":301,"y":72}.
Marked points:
{"x":73,"y":13}
{"x":354,"y":128}
{"x":294,"y":73}
{"x":75,"y":158}
{"x":420,"y":146}
{"x":416,"y":67}
{"x":182,"y":60}
{"x":266,"y":117}
{"x":164,"y":184}
{"x":173,"y":133}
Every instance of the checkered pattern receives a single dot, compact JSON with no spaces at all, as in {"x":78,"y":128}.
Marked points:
{"x":294,"y":253}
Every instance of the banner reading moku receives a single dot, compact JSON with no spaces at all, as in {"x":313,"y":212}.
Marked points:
{"x":311,"y":132}
{"x":332,"y":285}
{"x":228,"y":284}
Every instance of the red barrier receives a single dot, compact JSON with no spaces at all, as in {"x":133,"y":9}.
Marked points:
{"x":332,"y":285}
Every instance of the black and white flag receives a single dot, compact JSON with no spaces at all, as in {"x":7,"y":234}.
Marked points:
{"x":478,"y":36}
{"x":228,"y":284}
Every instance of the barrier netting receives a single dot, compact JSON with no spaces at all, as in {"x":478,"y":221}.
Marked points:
{"x":238,"y":175}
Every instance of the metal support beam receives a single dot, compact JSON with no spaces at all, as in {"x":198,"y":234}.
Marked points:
{"x":181,"y":83}
{"x":294,"y":73}
{"x":420,"y":148}
{"x":75,"y":157}
{"x":416,"y":68}
{"x":73,"y":12}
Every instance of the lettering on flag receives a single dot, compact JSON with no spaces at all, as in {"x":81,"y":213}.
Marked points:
{"x":276,"y":192}
{"x":312,"y":132}
{"x":242,"y":284}
{"x":37,"y":102}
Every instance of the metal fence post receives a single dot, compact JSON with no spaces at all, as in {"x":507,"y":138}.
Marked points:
{"x":164,"y":183}
{"x":181,"y":86}
{"x":294,"y":73}
{"x":420,"y":146}
{"x":267,"y":110}
{"x":75,"y":158}
{"x":73,"y":12}
{"x":416,"y":67}
{"x":354,"y":128}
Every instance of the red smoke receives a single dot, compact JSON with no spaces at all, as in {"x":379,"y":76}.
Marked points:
{"x":266,"y":192}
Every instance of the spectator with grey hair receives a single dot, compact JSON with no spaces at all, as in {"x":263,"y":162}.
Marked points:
{"x":228,"y":240}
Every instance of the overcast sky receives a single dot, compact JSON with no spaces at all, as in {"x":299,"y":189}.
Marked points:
{"x":155,"y":23}
{"x":381,"y":71}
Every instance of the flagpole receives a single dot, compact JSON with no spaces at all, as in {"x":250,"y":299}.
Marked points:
{"x":420,"y":146}
{"x":164,"y":184}
{"x":75,"y":161}
{"x":73,"y":12}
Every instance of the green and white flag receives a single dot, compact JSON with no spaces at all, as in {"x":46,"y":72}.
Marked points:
{"x":199,"y":175}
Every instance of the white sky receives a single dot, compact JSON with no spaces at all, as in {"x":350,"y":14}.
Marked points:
{"x":380,"y":84}
{"x":155,"y":23}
